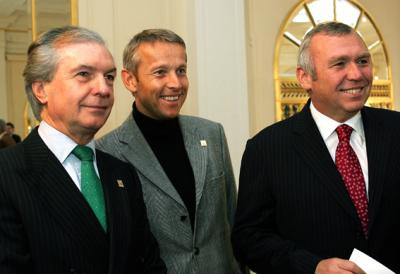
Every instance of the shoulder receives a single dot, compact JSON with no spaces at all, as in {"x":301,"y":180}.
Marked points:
{"x":200,"y":124}
{"x":110,"y":139}
{"x":111,"y":162}
{"x":388,"y":119}
{"x":276,"y":132}
{"x":12,"y":162}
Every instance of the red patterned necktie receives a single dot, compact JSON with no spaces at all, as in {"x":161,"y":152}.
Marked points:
{"x":349,"y":167}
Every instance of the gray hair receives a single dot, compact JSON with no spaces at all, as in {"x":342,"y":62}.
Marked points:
{"x":43,"y":57}
{"x":131,"y":59}
{"x":304,"y":59}
{"x":2,"y":125}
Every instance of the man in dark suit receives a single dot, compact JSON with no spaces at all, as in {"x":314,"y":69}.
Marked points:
{"x":10,"y":129}
{"x":6,"y":138}
{"x":51,"y":221}
{"x":304,"y":204}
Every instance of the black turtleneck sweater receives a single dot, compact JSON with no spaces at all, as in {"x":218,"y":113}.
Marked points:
{"x":166,"y":141}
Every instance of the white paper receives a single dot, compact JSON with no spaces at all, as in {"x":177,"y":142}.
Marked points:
{"x":368,"y":264}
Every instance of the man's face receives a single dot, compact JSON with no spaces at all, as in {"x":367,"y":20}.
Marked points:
{"x":161,"y":84}
{"x":9,"y":129}
{"x":79,"y":99}
{"x":343,"y":75}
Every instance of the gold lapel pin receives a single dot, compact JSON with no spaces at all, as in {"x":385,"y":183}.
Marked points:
{"x":203,"y":143}
{"x":120,"y":183}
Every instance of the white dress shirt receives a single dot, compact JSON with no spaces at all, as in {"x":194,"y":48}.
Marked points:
{"x":61,"y":146}
{"x":327,"y":128}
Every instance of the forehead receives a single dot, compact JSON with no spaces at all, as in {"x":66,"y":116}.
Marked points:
{"x":85,"y":53}
{"x":161,"y":49}
{"x":347,"y":44}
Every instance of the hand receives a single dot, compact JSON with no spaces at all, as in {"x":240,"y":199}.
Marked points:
{"x":337,"y":266}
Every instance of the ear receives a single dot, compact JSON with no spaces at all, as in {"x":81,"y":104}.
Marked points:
{"x":129,"y":80}
{"x":304,"y":78}
{"x":39,"y":92}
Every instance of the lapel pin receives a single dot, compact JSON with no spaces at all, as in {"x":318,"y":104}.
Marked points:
{"x":120,"y":183}
{"x":203,"y":143}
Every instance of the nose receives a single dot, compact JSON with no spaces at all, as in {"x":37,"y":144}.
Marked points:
{"x":103,"y":87}
{"x":174,"y":81}
{"x":354,"y":72}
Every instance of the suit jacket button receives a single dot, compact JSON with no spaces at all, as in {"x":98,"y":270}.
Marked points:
{"x":196,"y":251}
{"x":183,"y":218}
{"x":72,"y":270}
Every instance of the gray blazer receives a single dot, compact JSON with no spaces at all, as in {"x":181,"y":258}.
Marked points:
{"x":208,"y":249}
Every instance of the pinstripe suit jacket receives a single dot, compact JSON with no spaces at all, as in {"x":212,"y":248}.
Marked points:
{"x":208,"y":250}
{"x":293,"y":208}
{"x":47,"y":227}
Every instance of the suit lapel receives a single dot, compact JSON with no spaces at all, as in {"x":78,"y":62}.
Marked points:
{"x":379,"y":142}
{"x":310,"y":146}
{"x":59,"y":195}
{"x":196,"y":148}
{"x":137,"y":151}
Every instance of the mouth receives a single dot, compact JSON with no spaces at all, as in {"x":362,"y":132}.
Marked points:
{"x":97,"y":107}
{"x":171,"y":98}
{"x":353,"y":91}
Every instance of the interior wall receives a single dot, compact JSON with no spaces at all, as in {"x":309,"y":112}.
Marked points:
{"x":264,"y":20}
{"x":3,"y":78}
{"x":16,"y":96}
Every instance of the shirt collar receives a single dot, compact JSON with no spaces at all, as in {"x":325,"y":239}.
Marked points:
{"x":327,"y":125}
{"x":59,"y":143}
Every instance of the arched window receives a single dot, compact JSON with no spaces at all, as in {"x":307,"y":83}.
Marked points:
{"x":290,"y":97}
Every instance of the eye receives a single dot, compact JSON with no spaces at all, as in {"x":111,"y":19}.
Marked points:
{"x":181,"y":71}
{"x":83,"y":74}
{"x":110,"y":77}
{"x":160,"y":72}
{"x":339,"y":64}
{"x":363,"y":61}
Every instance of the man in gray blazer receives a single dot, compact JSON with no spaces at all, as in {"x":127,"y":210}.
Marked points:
{"x":183,"y":162}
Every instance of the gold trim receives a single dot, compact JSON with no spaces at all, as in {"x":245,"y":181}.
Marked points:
{"x":278,"y":42}
{"x":34,"y":22}
{"x":309,"y":14}
{"x":334,"y":10}
{"x":74,"y":12}
{"x":359,"y":20}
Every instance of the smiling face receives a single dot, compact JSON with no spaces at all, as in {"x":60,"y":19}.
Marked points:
{"x":79,"y":98}
{"x":343,"y":75}
{"x":160,"y":85}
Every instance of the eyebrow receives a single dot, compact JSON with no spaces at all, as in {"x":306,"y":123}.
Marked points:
{"x":346,"y":57}
{"x":92,"y":68}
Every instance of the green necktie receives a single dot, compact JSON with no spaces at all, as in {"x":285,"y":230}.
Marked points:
{"x":91,"y":187}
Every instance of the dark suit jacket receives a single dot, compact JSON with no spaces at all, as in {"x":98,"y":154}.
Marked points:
{"x":47,"y":227}
{"x":293,"y":208}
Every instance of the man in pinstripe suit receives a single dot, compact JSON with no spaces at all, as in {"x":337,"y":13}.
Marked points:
{"x":46,"y":224}
{"x":295,"y":213}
